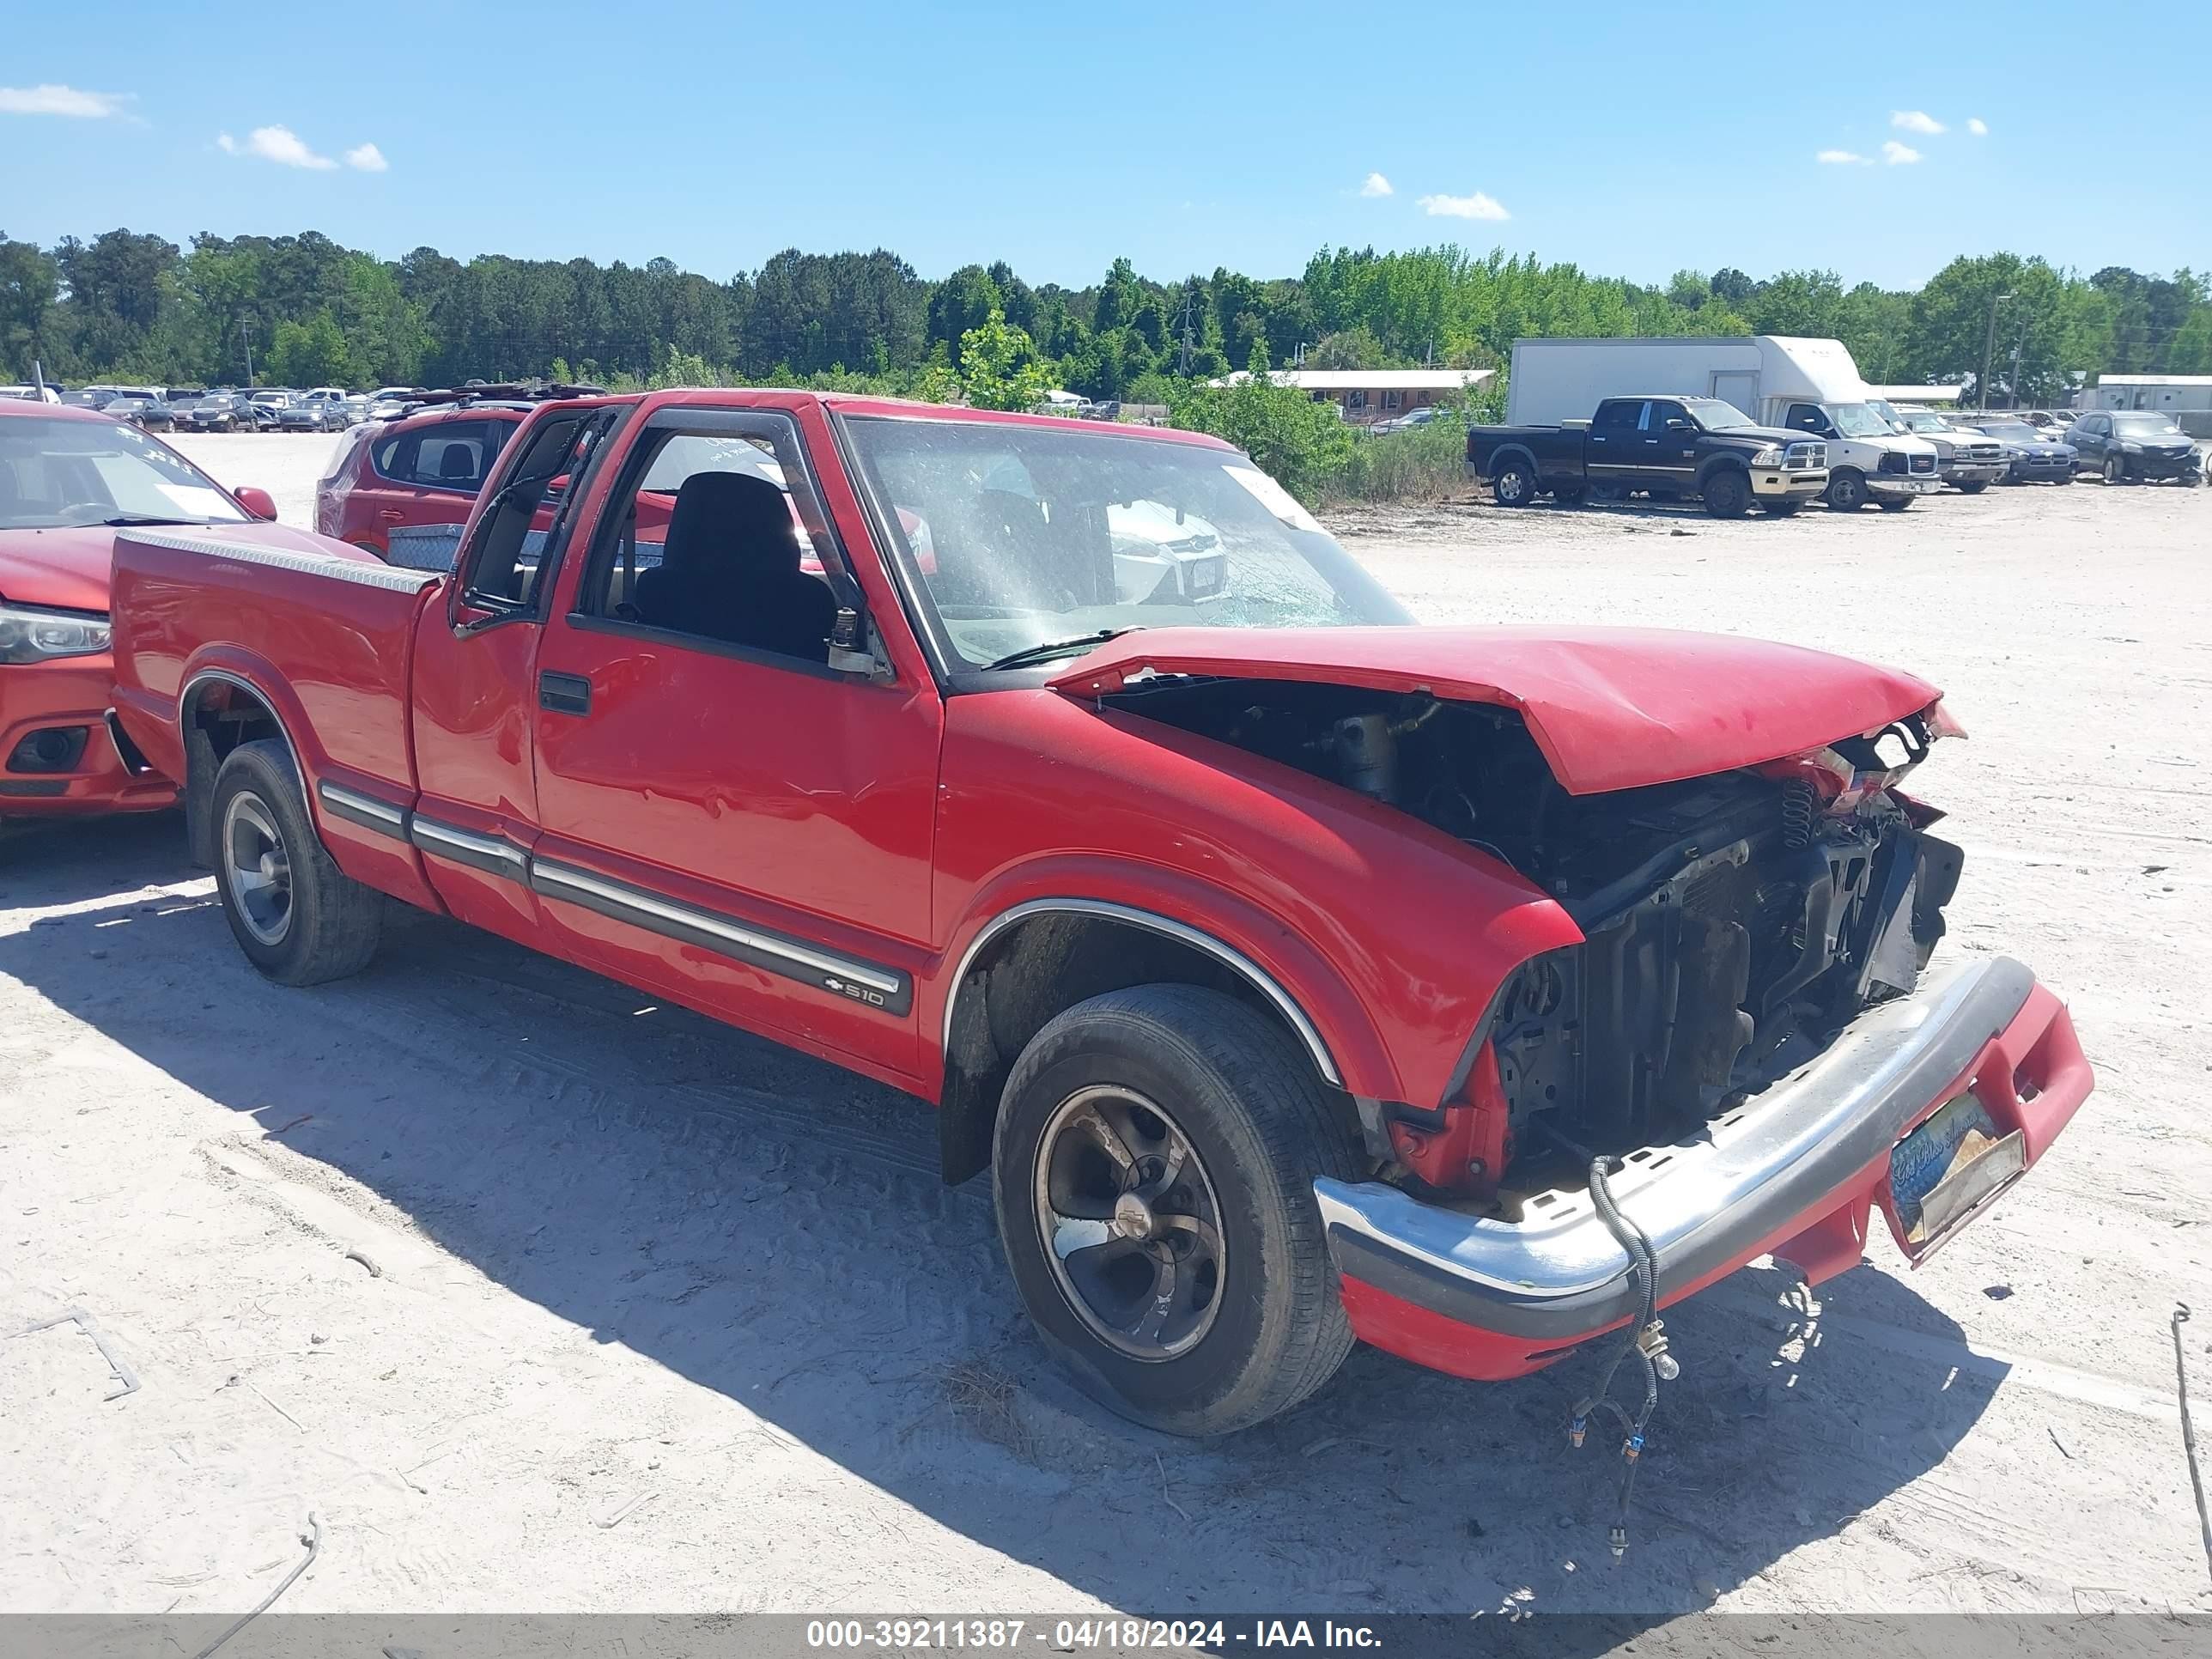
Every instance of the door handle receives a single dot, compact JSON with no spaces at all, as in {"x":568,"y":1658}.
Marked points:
{"x":564,"y":694}
{"x":390,"y":514}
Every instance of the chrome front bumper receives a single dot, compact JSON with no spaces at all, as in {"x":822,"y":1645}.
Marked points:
{"x":1789,"y":1155}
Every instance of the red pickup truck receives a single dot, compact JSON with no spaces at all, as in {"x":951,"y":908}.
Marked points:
{"x":1300,"y":974}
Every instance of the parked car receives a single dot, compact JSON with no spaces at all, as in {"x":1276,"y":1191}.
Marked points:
{"x":1412,"y":418}
{"x":323,"y":409}
{"x":143,"y":410}
{"x":2135,"y":446}
{"x":1303,"y":976}
{"x":32,"y":394}
{"x":2032,"y":454}
{"x":68,"y":477}
{"x":218,"y":411}
{"x":418,"y":474}
{"x":1695,"y":447}
{"x":1968,"y":460}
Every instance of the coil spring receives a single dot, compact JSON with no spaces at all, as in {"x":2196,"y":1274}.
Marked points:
{"x":1797,"y":814}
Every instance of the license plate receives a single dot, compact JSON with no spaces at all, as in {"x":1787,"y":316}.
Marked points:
{"x":1944,"y":1171}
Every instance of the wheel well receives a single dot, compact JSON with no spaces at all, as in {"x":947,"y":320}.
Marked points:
{"x":1720,"y":463}
{"x":221,"y":715}
{"x":1029,"y":972}
{"x":1513,"y":452}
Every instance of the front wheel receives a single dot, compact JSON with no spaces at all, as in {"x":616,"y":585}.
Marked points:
{"x":1781,"y":507}
{"x":1847,"y":491}
{"x":1728,"y":494}
{"x":1974,"y":489}
{"x":2116,"y":470}
{"x":1895,"y":503}
{"x":299,"y":918}
{"x":1153,"y":1171}
{"x":1514,"y":484}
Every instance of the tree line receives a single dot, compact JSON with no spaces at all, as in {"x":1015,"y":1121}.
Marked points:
{"x":305,"y":310}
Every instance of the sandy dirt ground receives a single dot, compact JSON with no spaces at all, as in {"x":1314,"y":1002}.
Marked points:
{"x":545,"y":1299}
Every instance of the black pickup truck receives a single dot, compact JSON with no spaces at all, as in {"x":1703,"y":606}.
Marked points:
{"x":1670,"y":447}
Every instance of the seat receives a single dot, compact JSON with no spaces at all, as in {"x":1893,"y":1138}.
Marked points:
{"x":458,"y":464}
{"x":729,"y":570}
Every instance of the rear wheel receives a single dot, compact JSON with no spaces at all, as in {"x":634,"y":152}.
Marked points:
{"x":1780,"y":508}
{"x":1153,"y":1169}
{"x":1975,"y":488}
{"x":298,"y":917}
{"x":1514,"y":484}
{"x":1607,"y":492}
{"x":1728,"y":494}
{"x":1567,"y":495}
{"x":1847,"y":491}
{"x":1895,"y":503}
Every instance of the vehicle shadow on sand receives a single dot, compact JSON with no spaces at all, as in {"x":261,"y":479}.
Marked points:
{"x":771,"y":1228}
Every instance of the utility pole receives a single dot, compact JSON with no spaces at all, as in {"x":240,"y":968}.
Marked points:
{"x":2018,"y":346}
{"x":246,"y":340}
{"x":1988,"y":352}
{"x":1187,"y":298}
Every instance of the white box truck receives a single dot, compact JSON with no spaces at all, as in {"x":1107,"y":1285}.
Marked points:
{"x":1800,"y":385}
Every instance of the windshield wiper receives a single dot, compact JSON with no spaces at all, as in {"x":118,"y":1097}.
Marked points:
{"x":122,"y":520}
{"x":1051,"y":648}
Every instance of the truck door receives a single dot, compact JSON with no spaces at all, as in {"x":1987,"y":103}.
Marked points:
{"x":475,"y":685}
{"x":1612,"y":449}
{"x":1670,"y":444}
{"x":726,"y":816}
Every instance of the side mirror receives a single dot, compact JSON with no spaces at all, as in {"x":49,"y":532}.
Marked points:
{"x":259,"y":502}
{"x":1678,"y":424}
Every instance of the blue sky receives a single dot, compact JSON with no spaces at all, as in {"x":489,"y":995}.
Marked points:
{"x":1632,"y":140}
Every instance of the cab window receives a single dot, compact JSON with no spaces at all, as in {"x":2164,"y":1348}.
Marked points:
{"x":714,"y":533}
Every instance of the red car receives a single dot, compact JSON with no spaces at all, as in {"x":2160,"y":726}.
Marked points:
{"x":1300,"y":973}
{"x":68,"y":479}
{"x":418,"y":475}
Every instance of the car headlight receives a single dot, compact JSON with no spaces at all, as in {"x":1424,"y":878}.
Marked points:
{"x":30,"y":635}
{"x":2131,"y":449}
{"x":1771,"y":456}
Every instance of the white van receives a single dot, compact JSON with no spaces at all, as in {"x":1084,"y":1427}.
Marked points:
{"x":1778,"y":380}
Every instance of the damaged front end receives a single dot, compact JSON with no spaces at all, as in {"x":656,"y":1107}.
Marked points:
{"x":1733,"y":924}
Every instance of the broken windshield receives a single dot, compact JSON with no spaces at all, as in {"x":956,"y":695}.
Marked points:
{"x":1041,"y":538}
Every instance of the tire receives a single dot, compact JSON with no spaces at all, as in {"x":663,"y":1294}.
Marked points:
{"x":1513,"y":485}
{"x":1265,"y":1328}
{"x":1726,"y":493}
{"x":1780,"y":508}
{"x":1847,"y":491}
{"x":1607,"y":492}
{"x":1568,"y":495}
{"x":1896,"y":505}
{"x":2115,"y":469}
{"x":2066,"y":477}
{"x":304,"y":922}
{"x":1975,"y":488}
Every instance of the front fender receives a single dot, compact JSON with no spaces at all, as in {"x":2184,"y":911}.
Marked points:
{"x":1389,"y":936}
{"x":1335,"y":1030}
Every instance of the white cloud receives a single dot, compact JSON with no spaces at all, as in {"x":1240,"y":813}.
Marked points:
{"x":1376,"y":184}
{"x":1915,"y":120}
{"x":367,"y":158}
{"x":1977,"y":126}
{"x":1900,"y":156}
{"x":61,"y":100}
{"x":1477,"y":206}
{"x":279,"y":144}
{"x":1842,"y":158}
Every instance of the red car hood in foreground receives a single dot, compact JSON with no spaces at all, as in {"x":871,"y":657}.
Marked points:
{"x":1611,"y":707}
{"x":62,"y":569}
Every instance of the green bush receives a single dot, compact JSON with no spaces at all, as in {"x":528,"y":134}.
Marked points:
{"x":1419,"y":463}
{"x":1300,"y":443}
